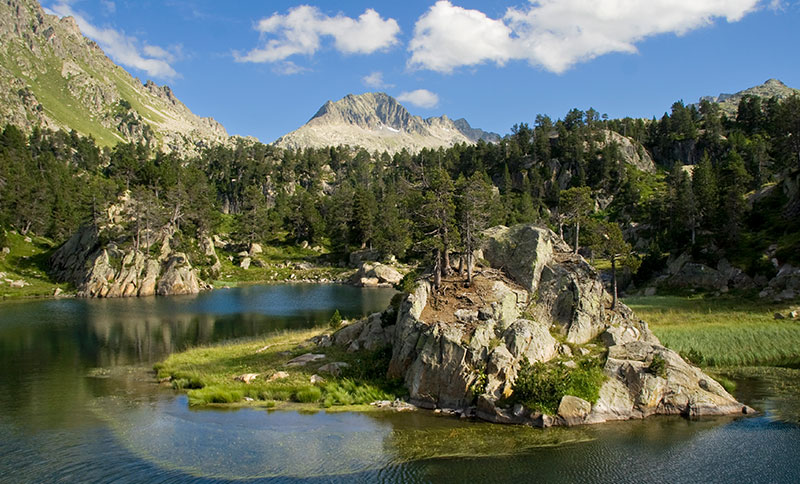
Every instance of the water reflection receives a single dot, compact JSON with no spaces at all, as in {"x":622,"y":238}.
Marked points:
{"x":47,"y":348}
{"x":77,"y":404}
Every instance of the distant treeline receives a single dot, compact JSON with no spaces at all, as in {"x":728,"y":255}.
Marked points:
{"x":434,"y":203}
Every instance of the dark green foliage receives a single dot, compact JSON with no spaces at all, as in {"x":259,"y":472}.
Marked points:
{"x":658,"y":366}
{"x":541,"y":386}
{"x":408,"y":205}
{"x":336,"y":320}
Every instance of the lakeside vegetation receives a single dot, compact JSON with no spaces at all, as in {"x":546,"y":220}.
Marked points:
{"x":208,"y":373}
{"x":724,"y":331}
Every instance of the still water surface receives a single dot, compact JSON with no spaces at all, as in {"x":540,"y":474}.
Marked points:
{"x":78,"y":404}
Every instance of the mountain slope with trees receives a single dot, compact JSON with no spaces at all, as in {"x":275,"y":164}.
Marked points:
{"x":51,"y":76}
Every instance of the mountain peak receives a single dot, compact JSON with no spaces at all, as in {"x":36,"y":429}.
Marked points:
{"x":729,"y":103}
{"x":377,"y":121}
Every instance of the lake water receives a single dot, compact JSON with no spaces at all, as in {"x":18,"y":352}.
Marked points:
{"x":79,"y":404}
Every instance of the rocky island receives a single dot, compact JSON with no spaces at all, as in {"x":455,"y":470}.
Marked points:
{"x":532,"y":302}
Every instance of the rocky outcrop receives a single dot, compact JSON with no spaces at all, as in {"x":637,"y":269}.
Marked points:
{"x":683,"y":273}
{"x":374,"y":274}
{"x":785,"y":286}
{"x":462,"y":347}
{"x":630,"y":152}
{"x":110,"y":271}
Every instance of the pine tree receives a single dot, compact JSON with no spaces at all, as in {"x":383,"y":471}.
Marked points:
{"x":576,"y":203}
{"x":473,"y":207}
{"x":704,"y":187}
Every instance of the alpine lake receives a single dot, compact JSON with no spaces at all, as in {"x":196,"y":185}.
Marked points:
{"x":79,"y":403}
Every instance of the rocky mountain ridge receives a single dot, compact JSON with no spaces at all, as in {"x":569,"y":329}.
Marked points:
{"x":53,"y":76}
{"x":377,"y":121}
{"x":729,"y":103}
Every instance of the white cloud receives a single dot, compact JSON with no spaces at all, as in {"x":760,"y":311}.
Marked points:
{"x":375,"y":80}
{"x":556,"y":34}
{"x":422,"y":98}
{"x":153,"y":60}
{"x":300,"y":32}
{"x":288,"y":68}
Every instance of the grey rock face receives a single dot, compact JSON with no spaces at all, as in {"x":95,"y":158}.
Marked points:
{"x":480,"y":349}
{"x":108,"y":271}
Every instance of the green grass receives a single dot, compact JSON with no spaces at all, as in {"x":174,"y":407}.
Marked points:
{"x":27,"y":261}
{"x":273,"y":258}
{"x":723,"y":331}
{"x":208,"y":373}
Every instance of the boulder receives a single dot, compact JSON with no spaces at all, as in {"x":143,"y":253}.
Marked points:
{"x":358,"y":257}
{"x":334,"y":368}
{"x":245,"y":263}
{"x":247,"y":378}
{"x":370,"y":274}
{"x":305,"y":359}
{"x":785,"y":286}
{"x":573,"y":410}
{"x":179,"y":277}
{"x":521,"y":251}
{"x":278,"y":375}
{"x":255,"y":249}
{"x":692,"y":275}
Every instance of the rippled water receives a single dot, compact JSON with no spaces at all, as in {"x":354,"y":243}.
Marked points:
{"x":78,"y":404}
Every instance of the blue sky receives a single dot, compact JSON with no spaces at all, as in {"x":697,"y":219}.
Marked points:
{"x":263,"y":68}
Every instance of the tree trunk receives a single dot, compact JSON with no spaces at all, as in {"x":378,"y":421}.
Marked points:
{"x":614,"y":281}
{"x":437,"y":269}
{"x":461,"y":265}
{"x":446,"y":262}
{"x":577,"y":233}
{"x":469,"y":268}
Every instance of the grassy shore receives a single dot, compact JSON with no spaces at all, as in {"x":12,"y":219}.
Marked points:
{"x":208,"y":373}
{"x":722,"y":331}
{"x":27,"y":261}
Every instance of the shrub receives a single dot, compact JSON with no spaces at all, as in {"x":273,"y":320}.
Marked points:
{"x":479,"y":385}
{"x":658,"y":366}
{"x":408,"y":282}
{"x":541,"y":386}
{"x":336,"y":320}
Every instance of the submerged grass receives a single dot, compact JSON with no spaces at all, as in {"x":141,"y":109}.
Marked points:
{"x":722,"y":331}
{"x":208,"y":373}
